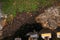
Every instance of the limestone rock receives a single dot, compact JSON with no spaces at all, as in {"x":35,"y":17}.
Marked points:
{"x":50,"y":18}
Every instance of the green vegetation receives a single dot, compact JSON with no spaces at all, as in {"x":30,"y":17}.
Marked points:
{"x":8,"y":7}
{"x":13,"y":6}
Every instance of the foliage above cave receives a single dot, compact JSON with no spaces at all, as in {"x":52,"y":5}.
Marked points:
{"x":13,"y":6}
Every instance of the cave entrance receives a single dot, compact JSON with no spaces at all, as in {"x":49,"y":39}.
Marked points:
{"x":26,"y":28}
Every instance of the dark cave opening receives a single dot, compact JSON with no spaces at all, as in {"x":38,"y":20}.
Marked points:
{"x":24,"y":29}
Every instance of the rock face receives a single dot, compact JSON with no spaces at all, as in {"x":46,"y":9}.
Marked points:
{"x":19,"y":20}
{"x":50,"y":18}
{"x":2,"y":21}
